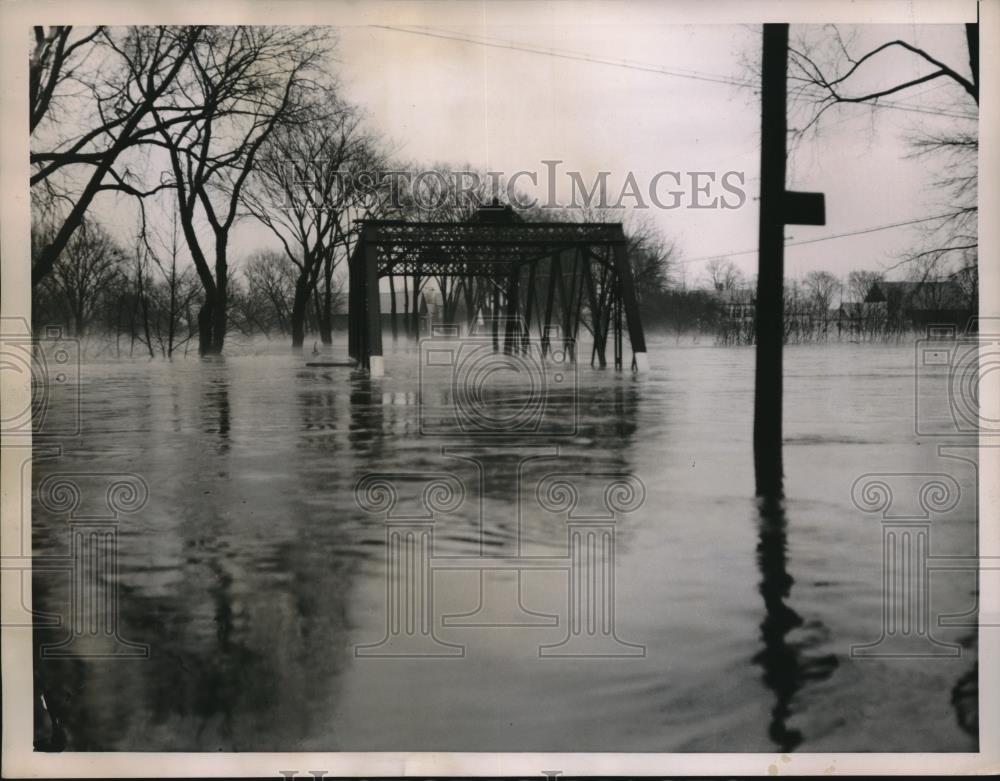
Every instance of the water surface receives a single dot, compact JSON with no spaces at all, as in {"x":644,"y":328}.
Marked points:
{"x":252,"y":573}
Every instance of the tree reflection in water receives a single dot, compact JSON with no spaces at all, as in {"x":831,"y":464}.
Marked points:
{"x":785,"y":668}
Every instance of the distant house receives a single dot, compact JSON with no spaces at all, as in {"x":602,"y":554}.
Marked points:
{"x":739,"y":304}
{"x":857,"y":319}
{"x":851,"y":310}
{"x":738,"y":309}
{"x":900,"y":306}
{"x":918,"y":304}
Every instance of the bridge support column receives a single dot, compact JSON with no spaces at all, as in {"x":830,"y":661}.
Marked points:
{"x":373,"y":312}
{"x":640,"y":362}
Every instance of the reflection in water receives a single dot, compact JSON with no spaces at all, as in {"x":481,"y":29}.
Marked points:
{"x":965,"y":694}
{"x":626,"y":401}
{"x":215,"y":407}
{"x":253,"y":589}
{"x":366,"y":432}
{"x":785,"y":669}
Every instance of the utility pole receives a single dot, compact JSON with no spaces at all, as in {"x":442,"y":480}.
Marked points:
{"x":778,"y":207}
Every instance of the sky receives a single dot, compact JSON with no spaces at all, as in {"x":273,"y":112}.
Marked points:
{"x":646,"y":98}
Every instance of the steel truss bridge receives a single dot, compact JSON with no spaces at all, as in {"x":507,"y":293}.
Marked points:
{"x":540,"y":280}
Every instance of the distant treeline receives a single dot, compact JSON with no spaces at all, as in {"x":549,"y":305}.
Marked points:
{"x":143,"y":300}
{"x":252,"y":124}
{"x":863,"y":307}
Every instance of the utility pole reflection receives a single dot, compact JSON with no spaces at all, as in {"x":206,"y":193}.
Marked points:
{"x":785,"y":670}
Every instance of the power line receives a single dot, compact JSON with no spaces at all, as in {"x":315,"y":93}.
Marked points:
{"x":682,"y":73}
{"x":497,"y":43}
{"x":910,"y":106}
{"x":918,"y":109}
{"x":859,"y":232}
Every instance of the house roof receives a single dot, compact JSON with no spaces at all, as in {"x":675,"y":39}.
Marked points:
{"x":743,"y":295}
{"x":919,"y":296}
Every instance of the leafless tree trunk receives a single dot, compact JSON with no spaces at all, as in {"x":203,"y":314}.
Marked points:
{"x":303,"y":187}
{"x":144,"y":70}
{"x":83,"y":273}
{"x":254,"y":89}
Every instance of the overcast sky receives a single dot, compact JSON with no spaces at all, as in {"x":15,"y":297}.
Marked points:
{"x":439,"y":100}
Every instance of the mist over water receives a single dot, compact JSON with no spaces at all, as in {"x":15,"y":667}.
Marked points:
{"x":252,"y":573}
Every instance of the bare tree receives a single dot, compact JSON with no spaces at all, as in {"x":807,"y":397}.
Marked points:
{"x":141,"y":281}
{"x":90,"y":262}
{"x":270,"y":282}
{"x":831,"y":69}
{"x":868,"y":317}
{"x":116,"y":106}
{"x":822,"y":287}
{"x":253,"y":78}
{"x":967,"y":279}
{"x":723,"y":275}
{"x":173,"y":292}
{"x":951,"y":240}
{"x":651,"y":256}
{"x":55,"y":57}
{"x":860,"y":283}
{"x":305,"y":179}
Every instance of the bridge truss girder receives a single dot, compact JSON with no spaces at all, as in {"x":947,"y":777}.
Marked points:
{"x":547,"y":276}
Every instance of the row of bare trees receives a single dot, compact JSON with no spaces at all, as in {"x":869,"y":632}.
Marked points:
{"x":862,"y":306}
{"x":233,"y":123}
{"x":211,"y":126}
{"x":143,"y":296}
{"x":227,"y":122}
{"x":140,"y":291}
{"x":311,"y":171}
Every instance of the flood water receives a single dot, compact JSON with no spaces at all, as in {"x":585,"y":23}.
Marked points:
{"x":253,"y":574}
